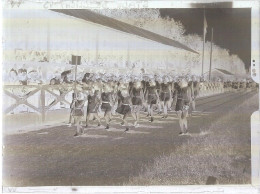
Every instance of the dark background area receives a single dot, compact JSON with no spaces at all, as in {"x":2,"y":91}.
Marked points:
{"x":232,"y":27}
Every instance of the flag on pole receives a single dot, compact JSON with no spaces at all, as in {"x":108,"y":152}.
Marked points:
{"x":205,"y":26}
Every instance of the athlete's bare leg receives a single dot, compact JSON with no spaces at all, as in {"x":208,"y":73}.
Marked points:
{"x":107,"y":117}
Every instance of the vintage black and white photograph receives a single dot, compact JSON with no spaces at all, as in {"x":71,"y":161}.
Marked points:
{"x":127,"y":97}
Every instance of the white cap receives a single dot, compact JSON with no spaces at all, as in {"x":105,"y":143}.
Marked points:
{"x":183,"y":83}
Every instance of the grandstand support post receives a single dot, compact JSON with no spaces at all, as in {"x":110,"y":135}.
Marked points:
{"x":48,"y":41}
{"x":97,"y":47}
{"x":128,"y":55}
{"x":43,"y":104}
{"x":210,"y":64}
{"x":76,"y":69}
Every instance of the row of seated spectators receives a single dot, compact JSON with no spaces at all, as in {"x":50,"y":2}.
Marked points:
{"x":30,"y":76}
{"x":239,"y":84}
{"x":23,"y":76}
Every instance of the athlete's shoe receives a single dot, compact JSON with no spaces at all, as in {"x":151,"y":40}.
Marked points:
{"x":186,"y":133}
{"x":135,"y":123}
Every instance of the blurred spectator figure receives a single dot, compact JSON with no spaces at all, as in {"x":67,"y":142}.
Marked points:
{"x":243,"y":84}
{"x":55,"y":79}
{"x":22,"y":76}
{"x":13,"y":77}
{"x":33,"y":77}
{"x":44,"y":59}
{"x":23,"y":91}
{"x":65,"y":76}
{"x":86,"y":77}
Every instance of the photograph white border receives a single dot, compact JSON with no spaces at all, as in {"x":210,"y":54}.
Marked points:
{"x":255,"y":121}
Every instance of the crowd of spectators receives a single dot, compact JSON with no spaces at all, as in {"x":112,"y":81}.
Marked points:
{"x":28,"y":75}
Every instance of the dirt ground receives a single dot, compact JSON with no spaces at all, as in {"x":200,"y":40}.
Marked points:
{"x":54,"y":157}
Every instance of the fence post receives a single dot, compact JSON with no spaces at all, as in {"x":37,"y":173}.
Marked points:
{"x":43,"y":103}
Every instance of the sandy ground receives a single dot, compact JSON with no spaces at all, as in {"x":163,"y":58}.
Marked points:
{"x":52,"y":156}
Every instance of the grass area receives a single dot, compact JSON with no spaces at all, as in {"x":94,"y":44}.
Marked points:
{"x":223,"y":151}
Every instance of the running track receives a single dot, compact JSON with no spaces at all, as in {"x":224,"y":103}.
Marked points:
{"x":53,"y":156}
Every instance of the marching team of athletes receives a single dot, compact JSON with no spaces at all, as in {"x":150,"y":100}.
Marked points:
{"x":128,"y":95}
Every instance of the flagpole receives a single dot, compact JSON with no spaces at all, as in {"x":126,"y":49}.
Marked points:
{"x":48,"y":41}
{"x":210,"y":54}
{"x":202,"y":57}
{"x":75,"y":81}
{"x":203,"y":43}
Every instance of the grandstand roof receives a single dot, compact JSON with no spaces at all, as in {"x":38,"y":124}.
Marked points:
{"x":91,"y":16}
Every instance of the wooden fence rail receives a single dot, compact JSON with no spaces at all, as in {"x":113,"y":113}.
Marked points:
{"x":14,"y":91}
{"x":21,"y":93}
